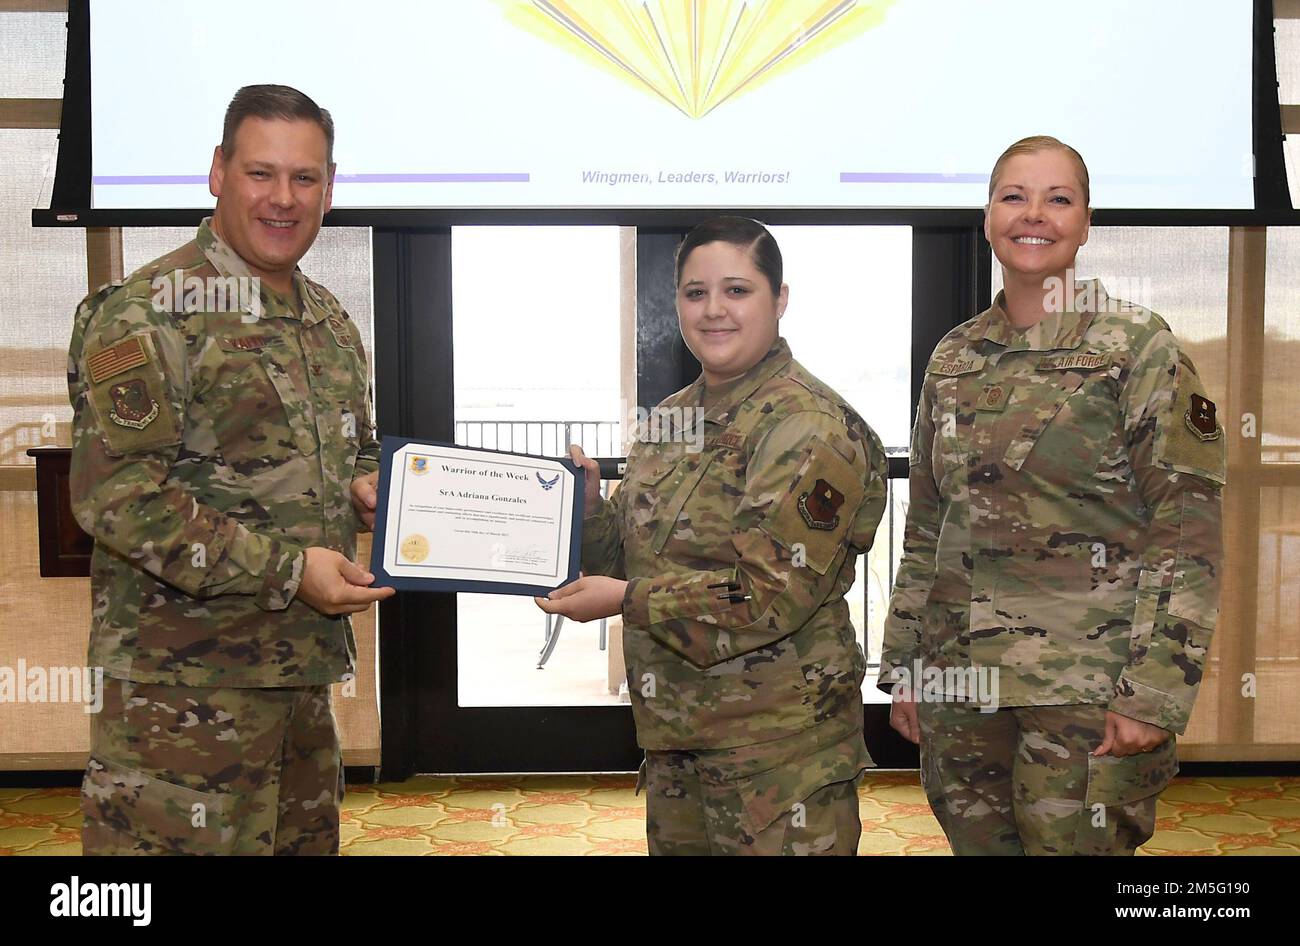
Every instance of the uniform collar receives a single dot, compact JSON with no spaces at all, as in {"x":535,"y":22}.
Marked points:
{"x":735,"y":392}
{"x":228,"y":263}
{"x":1060,"y":330}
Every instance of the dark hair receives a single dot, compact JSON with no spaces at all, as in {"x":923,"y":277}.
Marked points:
{"x":274,"y":101}
{"x":747,"y":234}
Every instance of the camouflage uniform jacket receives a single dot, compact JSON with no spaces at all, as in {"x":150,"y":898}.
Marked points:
{"x":736,"y":632}
{"x":216,"y":433}
{"x":1064,"y":524}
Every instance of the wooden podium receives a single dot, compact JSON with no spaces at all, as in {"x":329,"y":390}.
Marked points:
{"x":64,"y":548}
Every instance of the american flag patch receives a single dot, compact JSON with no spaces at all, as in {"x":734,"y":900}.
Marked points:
{"x":113,"y":361}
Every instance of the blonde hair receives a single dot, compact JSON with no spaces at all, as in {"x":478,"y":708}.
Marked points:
{"x":1032,"y":145}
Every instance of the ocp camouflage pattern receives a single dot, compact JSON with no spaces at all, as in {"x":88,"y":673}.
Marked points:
{"x":1064,"y":524}
{"x":737,"y":638}
{"x":202,"y":512}
{"x":212,"y":770}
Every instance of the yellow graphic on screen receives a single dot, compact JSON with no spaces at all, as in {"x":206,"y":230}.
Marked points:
{"x":696,"y":54}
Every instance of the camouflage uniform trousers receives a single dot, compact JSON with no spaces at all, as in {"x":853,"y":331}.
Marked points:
{"x":195,"y":770}
{"x":690,"y":811}
{"x":1023,"y":780}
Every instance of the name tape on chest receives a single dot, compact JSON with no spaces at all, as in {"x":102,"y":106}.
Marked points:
{"x":727,"y":441}
{"x":247,"y":342}
{"x":1085,"y":362}
{"x":953,"y":367}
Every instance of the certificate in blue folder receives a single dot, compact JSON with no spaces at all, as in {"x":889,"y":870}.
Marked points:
{"x":463,"y":519}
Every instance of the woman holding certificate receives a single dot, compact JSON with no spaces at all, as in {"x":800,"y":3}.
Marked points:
{"x":729,"y":555}
{"x":1062,"y":544}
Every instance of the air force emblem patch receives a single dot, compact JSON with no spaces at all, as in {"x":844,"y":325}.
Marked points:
{"x":548,"y":484}
{"x":820,"y":507}
{"x":1201,"y":420}
{"x":132,"y":405}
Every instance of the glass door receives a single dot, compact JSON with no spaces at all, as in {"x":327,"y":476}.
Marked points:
{"x":529,"y":338}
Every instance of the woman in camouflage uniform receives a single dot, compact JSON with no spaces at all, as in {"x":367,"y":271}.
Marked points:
{"x":1062,"y":546}
{"x":728,"y":549}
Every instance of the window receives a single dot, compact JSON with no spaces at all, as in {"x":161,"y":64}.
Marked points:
{"x":537,"y":335}
{"x":849,"y":322}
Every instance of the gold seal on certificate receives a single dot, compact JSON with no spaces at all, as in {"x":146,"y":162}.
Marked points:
{"x":415,"y":548}
{"x":462,"y":519}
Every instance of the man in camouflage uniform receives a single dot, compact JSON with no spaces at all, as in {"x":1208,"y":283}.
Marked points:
{"x":221,"y":416}
{"x":742,"y":664}
{"x":1063,"y":534}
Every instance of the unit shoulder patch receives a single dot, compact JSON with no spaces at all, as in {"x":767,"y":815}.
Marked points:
{"x":820,"y":506}
{"x":1191,"y":440}
{"x":1200,"y":418}
{"x":133,"y":406}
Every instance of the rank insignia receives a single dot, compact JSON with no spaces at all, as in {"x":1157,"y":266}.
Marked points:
{"x":994,"y":397}
{"x":1201,"y":420}
{"x":342,"y":337}
{"x":249,"y":342}
{"x":132,"y":405}
{"x":419,"y":465}
{"x":820,"y":507}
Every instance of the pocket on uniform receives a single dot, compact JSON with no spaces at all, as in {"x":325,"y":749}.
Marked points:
{"x":819,"y":511}
{"x":1145,"y":609}
{"x":165,"y":818}
{"x":257,"y":415}
{"x":1115,"y":781}
{"x":1195,"y":593}
{"x":295,"y":406}
{"x":640,"y":500}
{"x":1050,"y":431}
{"x":672,"y":509}
{"x":948,"y":455}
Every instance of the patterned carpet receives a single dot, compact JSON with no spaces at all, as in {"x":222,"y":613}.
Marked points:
{"x":599,"y":814}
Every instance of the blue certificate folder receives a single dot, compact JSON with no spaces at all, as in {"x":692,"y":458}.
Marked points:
{"x":513,"y":582}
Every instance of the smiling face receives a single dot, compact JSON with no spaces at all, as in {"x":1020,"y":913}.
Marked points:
{"x":1037,"y":217}
{"x":727,"y":311}
{"x":272,"y":192}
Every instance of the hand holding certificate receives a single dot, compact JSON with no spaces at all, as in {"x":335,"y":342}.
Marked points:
{"x":462,"y":519}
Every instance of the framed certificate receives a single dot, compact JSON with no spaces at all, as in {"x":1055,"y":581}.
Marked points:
{"x":463,"y":519}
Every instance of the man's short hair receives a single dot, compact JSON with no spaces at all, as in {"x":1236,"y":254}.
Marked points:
{"x":270,"y":102}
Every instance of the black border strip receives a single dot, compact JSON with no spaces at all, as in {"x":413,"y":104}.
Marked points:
{"x":1272,"y":192}
{"x":72,"y":170}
